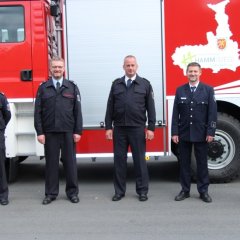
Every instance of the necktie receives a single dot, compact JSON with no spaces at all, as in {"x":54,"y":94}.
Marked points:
{"x":129,"y":82}
{"x":193,"y":89}
{"x":58,"y":86}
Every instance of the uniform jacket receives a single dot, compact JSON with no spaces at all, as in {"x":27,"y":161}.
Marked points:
{"x":5,"y":114}
{"x":194,"y":115}
{"x":128,"y":107}
{"x":58,"y":112}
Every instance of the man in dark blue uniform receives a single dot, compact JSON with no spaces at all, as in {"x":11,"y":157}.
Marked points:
{"x":58,"y":123}
{"x":5,"y":116}
{"x":130,"y":98}
{"x":193,"y":125}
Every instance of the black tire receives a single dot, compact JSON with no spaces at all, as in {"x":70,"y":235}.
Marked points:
{"x":224,"y":151}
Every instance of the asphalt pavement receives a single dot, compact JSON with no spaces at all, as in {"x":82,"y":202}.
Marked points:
{"x":96,"y":217}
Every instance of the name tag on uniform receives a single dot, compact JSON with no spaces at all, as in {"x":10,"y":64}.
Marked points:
{"x":183,"y":98}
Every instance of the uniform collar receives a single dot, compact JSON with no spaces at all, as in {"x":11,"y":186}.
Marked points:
{"x":55,"y":81}
{"x":50,"y":83}
{"x":132,"y":78}
{"x":195,"y":85}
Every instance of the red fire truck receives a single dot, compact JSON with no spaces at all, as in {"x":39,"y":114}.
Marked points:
{"x":93,"y":37}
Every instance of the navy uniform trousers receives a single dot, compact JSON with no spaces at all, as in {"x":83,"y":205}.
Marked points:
{"x":3,"y":178}
{"x":185,"y":151}
{"x":123,"y":137}
{"x":54,"y":143}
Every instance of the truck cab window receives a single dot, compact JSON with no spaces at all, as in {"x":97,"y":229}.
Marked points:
{"x":12,"y":24}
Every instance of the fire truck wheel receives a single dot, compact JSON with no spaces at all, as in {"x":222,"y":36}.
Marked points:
{"x":12,"y":168}
{"x":224,"y":151}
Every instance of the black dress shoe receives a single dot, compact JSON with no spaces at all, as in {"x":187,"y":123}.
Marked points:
{"x":48,"y":200}
{"x":143,"y":197}
{"x":74,"y":199}
{"x":4,"y":201}
{"x":182,"y":195}
{"x":117,"y":197}
{"x":205,"y":197}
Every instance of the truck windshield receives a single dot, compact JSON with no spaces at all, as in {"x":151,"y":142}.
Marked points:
{"x":11,"y":24}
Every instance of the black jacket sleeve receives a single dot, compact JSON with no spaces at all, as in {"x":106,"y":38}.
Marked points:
{"x":175,"y":116}
{"x":37,"y":113}
{"x":6,"y":114}
{"x":212,"y":113}
{"x":150,"y":106}
{"x":109,"y":111}
{"x":78,"y":126}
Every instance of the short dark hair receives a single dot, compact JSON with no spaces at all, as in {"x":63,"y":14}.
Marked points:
{"x":193,"y":64}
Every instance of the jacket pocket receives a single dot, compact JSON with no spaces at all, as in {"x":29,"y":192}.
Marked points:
{"x":67,"y":101}
{"x":202,"y":106}
{"x":183,"y":106}
{"x":139,"y":95}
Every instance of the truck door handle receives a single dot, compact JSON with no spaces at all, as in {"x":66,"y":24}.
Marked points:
{"x":26,"y":75}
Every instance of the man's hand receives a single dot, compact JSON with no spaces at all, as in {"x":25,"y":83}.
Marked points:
{"x":149,"y":135}
{"x":41,"y":139}
{"x":76,"y":138}
{"x":175,"y":139}
{"x":109,"y":134}
{"x":209,"y":138}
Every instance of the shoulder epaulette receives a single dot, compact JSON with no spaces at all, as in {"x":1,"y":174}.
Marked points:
{"x":146,"y":80}
{"x":43,"y":82}
{"x":117,"y":79}
{"x":72,"y":81}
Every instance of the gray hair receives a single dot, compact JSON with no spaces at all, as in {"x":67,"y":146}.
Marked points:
{"x":56,"y":58}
